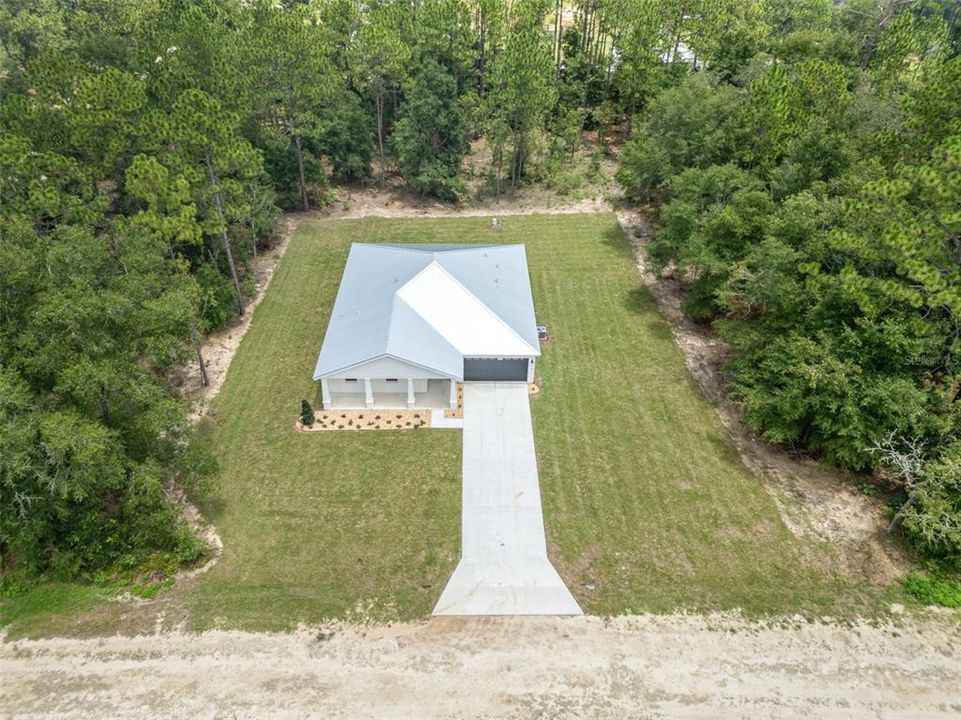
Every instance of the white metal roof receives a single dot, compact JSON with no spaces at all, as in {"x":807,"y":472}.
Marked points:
{"x":430,"y":305}
{"x":459,"y":317}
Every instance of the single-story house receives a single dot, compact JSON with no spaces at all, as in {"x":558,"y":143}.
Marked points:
{"x":412,"y":320}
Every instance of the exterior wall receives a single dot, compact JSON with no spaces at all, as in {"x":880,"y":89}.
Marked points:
{"x":378,"y":371}
{"x":382,"y":386}
{"x":377,"y":386}
{"x":436,"y":396}
{"x":385,"y":368}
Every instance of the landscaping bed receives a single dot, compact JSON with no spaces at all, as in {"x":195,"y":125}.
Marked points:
{"x":458,"y":412}
{"x":368,"y":420}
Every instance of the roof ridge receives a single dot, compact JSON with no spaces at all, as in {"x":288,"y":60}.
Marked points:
{"x":392,"y":246}
{"x":448,"y":247}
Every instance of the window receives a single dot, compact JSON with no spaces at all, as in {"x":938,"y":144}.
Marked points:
{"x":350,"y":379}
{"x":391,"y":379}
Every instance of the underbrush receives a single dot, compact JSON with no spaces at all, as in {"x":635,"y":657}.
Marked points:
{"x":934,"y":587}
{"x":147,"y":577}
{"x":44,"y":602}
{"x":11,"y":589}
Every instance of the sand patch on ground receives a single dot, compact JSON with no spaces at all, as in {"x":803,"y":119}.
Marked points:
{"x":221,"y":345}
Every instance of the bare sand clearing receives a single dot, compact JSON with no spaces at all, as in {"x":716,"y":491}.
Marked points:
{"x":629,"y":667}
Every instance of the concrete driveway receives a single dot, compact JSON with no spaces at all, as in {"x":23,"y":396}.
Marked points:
{"x":504,"y":568}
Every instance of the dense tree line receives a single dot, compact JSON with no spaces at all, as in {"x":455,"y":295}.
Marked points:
{"x":809,"y":196}
{"x":802,"y":152}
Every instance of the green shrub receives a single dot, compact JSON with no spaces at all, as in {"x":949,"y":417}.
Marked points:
{"x":933,"y":520}
{"x":11,"y":589}
{"x":594,"y":169}
{"x":934,"y":590}
{"x":192,"y":550}
{"x":565,"y":183}
{"x":217,"y":297}
{"x":307,"y":414}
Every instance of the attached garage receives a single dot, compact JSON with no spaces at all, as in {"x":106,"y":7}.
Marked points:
{"x":496,"y":369}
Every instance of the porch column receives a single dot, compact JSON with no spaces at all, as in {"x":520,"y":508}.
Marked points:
{"x":410,"y":392}
{"x":453,"y":394}
{"x":368,"y":395}
{"x":325,"y":394}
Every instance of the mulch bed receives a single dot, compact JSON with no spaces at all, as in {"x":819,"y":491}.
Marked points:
{"x":459,"y":411}
{"x":367,"y":420}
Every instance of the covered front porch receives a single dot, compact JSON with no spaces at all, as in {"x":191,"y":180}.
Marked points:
{"x":440,"y":394}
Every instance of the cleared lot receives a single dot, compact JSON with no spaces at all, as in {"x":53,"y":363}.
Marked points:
{"x":646,"y":504}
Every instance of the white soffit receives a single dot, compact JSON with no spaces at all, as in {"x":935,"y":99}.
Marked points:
{"x":459,"y":317}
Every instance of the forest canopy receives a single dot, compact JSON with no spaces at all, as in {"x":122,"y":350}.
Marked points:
{"x":802,"y":160}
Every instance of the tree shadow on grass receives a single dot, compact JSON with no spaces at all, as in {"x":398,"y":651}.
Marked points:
{"x":640,"y":302}
{"x":212,"y":504}
{"x":615,"y":238}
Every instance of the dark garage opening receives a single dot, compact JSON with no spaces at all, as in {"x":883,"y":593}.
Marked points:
{"x":491,"y":369}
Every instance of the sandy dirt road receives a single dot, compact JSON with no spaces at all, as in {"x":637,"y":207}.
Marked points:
{"x":628,"y":667}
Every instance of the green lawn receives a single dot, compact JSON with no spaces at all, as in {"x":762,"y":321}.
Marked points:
{"x":646,"y":504}
{"x":325,"y":524}
{"x":644,"y":497}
